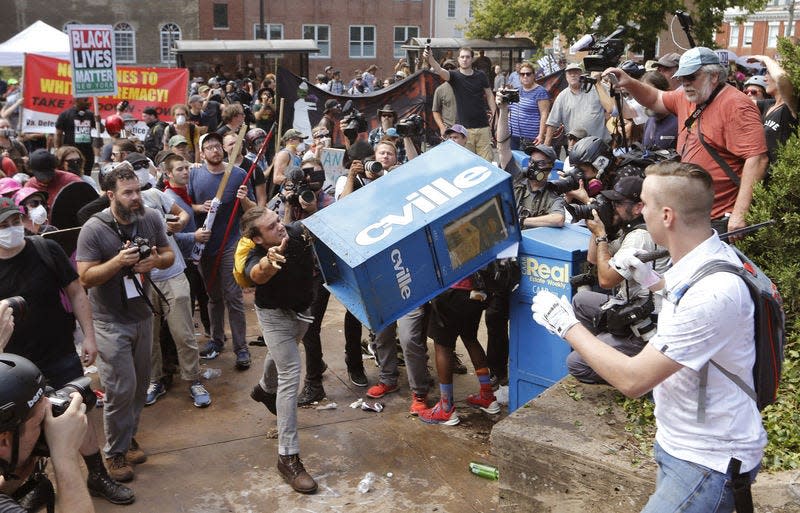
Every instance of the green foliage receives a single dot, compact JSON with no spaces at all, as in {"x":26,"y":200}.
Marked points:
{"x":573,"y":18}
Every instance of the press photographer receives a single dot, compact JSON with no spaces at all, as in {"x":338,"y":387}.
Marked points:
{"x":27,"y":413}
{"x":625,"y":319}
{"x":401,"y":132}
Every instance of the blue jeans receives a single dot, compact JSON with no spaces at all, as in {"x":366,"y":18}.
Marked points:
{"x":683,"y":486}
{"x":282,"y":332}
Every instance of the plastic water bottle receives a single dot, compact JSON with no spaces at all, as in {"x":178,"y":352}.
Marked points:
{"x":365,"y":484}
{"x":211,"y":373}
{"x":485,"y":471}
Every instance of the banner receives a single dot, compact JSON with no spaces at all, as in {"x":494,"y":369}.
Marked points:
{"x":48,"y":91}
{"x":93,"y":62}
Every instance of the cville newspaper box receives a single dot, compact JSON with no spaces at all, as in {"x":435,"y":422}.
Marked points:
{"x":401,"y":240}
{"x":548,"y":257}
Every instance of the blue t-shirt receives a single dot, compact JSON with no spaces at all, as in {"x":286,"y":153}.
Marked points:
{"x":203,"y":187}
{"x":524,"y":117}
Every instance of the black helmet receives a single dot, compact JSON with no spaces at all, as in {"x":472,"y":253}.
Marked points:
{"x":593,"y":151}
{"x":21,"y":386}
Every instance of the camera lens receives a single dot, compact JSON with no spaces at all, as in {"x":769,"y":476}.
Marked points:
{"x":308,"y":196}
{"x":19,"y":307}
{"x":373,"y":166}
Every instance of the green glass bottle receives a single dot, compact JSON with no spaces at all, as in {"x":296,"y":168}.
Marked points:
{"x":485,"y":471}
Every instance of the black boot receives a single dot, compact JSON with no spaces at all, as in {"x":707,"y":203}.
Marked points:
{"x":293,"y":471}
{"x":266,"y":398}
{"x":311,"y":392}
{"x":100,"y":483}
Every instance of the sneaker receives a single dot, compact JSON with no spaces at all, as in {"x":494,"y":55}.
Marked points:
{"x":200,"y":395}
{"x":438,"y":415}
{"x":119,"y":469}
{"x":458,"y":365}
{"x":260,"y":395}
{"x":311,"y":393}
{"x":293,"y":471}
{"x":381,"y":389}
{"x":488,"y":404}
{"x":357,"y":377}
{"x":135,"y":454}
{"x":498,"y":381}
{"x":242,"y":359}
{"x":100,"y":484}
{"x":154,"y":391}
{"x":211,"y":351}
{"x":419,"y":403}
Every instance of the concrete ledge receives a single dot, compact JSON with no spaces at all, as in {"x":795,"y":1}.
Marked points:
{"x":567,"y":451}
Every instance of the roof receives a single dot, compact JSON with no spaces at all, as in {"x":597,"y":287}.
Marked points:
{"x":267,"y":46}
{"x":39,"y":38}
{"x":454,"y":43}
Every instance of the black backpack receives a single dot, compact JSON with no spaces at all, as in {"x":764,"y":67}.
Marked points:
{"x":770,"y":323}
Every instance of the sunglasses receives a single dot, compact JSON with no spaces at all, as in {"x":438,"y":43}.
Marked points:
{"x":74,"y":161}
{"x":141,"y":165}
{"x":525,"y":73}
{"x":752,"y":92}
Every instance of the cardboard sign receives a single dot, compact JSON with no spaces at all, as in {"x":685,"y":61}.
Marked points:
{"x":94,"y":70}
{"x":333,"y":164}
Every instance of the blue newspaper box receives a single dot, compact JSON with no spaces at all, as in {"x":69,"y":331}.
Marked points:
{"x":548,"y":257}
{"x":398,"y":242}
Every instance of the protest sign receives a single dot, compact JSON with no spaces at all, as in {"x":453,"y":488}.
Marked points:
{"x":93,"y":63}
{"x":333,"y":163}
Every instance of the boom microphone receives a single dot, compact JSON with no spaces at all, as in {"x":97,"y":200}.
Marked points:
{"x":583,"y":43}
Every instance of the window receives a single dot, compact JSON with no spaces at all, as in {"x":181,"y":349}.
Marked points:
{"x":733,"y":38}
{"x":469,"y":10}
{"x":124,"y":43}
{"x":451,"y":8}
{"x":65,"y":26}
{"x":748,"y":34}
{"x":272,"y":31}
{"x":322,"y":35}
{"x":170,"y":32}
{"x":362,"y":41}
{"x":220,"y":16}
{"x":401,"y":35}
{"x":772,"y":34}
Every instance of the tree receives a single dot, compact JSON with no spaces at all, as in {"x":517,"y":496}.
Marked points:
{"x":573,"y":18}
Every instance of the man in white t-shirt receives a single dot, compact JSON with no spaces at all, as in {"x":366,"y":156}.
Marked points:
{"x":698,"y":450}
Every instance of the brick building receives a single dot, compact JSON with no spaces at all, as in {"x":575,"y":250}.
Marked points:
{"x":759,"y":33}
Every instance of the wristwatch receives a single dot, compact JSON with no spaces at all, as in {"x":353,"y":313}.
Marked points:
{"x":598,"y":240}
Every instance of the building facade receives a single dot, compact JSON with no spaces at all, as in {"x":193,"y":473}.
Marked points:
{"x":758,"y":34}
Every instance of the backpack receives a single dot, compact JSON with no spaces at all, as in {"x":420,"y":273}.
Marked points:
{"x":243,"y":248}
{"x":770,"y":324}
{"x":40,"y":245}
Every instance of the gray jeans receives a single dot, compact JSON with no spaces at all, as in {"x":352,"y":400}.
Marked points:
{"x":282,"y":332}
{"x":413,"y":341}
{"x":124,"y":367}
{"x":224,"y":291}
{"x":587,"y":305}
{"x":178,"y":314}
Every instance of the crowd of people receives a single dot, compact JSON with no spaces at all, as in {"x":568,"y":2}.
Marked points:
{"x":185,"y":217}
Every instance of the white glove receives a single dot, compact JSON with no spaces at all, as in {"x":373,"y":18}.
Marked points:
{"x":553,"y":313}
{"x":626,"y":263}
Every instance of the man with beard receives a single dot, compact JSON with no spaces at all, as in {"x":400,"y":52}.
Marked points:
{"x":715,"y":131}
{"x":114,"y":264}
{"x":591,"y":307}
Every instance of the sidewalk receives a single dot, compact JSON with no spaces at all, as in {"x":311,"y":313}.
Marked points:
{"x":222,"y":459}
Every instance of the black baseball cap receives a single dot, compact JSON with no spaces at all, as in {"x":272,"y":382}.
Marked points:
{"x":626,"y":188}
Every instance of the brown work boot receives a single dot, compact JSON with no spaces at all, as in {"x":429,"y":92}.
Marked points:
{"x":119,"y":469}
{"x":295,"y":474}
{"x":135,"y":453}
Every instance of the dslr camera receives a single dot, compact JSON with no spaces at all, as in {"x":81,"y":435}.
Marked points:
{"x":143,"y":245}
{"x":59,"y":402}
{"x":353,"y":121}
{"x":568,"y":182}
{"x":410,"y":126}
{"x":508,"y":95}
{"x":372,"y":166}
{"x":302,"y":191}
{"x":603,"y":206}
{"x":19,"y":307}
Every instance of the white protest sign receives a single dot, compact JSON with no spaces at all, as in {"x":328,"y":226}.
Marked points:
{"x":94,"y":71}
{"x":333,"y":164}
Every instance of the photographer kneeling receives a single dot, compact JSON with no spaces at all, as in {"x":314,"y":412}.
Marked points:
{"x":625,"y":320}
{"x":26,"y":413}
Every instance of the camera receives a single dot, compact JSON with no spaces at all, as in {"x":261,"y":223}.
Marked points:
{"x":603,"y":206}
{"x":143,"y":245}
{"x":19,"y":307}
{"x":410,"y":126}
{"x":508,"y":95}
{"x":373,"y":167}
{"x":633,"y":316}
{"x":8,"y":132}
{"x":302,"y":191}
{"x":59,"y":402}
{"x":353,"y":121}
{"x":606,"y":52}
{"x":569,"y":182}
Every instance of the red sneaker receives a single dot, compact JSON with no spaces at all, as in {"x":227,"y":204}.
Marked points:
{"x":487,"y":403}
{"x":419,"y":403}
{"x":380,"y":390}
{"x":438,"y":415}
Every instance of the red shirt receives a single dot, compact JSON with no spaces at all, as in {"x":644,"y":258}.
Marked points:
{"x":61,"y":180}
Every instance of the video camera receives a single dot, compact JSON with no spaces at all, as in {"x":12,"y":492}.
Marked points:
{"x":59,"y":402}
{"x":604,"y":53}
{"x":410,"y":126}
{"x":353,"y":121}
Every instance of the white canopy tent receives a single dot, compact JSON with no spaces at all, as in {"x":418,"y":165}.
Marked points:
{"x":39,"y":38}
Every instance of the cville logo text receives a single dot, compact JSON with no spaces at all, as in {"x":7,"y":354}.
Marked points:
{"x":402,"y":274}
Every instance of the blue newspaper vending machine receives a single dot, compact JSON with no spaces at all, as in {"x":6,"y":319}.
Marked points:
{"x":398,"y":242}
{"x":548,"y":257}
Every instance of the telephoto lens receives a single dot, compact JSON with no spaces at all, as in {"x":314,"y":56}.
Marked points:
{"x":19,"y":307}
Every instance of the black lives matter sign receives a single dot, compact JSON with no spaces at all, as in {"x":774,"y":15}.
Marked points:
{"x":93,"y":62}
